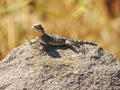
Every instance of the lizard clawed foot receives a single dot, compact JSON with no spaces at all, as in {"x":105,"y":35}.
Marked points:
{"x":28,"y":40}
{"x":32,"y":42}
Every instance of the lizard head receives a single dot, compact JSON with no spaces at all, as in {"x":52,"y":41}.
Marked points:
{"x":39,"y":28}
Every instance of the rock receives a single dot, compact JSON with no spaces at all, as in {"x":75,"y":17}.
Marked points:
{"x":40,"y":67}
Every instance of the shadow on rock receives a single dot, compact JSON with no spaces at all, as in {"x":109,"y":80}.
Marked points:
{"x":52,"y":50}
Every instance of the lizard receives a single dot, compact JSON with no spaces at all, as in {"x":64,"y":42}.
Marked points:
{"x":55,"y":40}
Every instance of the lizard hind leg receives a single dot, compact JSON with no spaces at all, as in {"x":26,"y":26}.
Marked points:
{"x":68,"y":43}
{"x":71,"y":45}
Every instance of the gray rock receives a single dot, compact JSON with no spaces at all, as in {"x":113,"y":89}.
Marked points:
{"x":40,"y":67}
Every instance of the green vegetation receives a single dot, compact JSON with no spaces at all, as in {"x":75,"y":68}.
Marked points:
{"x":16,"y":7}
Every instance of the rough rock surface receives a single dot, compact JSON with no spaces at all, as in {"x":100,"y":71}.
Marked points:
{"x":39,"y":67}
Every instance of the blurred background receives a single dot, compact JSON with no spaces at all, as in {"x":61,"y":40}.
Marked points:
{"x":90,"y":20}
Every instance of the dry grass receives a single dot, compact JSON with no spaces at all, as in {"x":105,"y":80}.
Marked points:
{"x":77,"y":19}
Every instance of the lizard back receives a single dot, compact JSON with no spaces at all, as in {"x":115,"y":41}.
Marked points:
{"x":52,"y":39}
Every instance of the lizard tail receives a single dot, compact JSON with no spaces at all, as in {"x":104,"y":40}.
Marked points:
{"x":78,"y":43}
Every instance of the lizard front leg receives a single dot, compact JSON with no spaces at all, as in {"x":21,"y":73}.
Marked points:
{"x":35,"y":41}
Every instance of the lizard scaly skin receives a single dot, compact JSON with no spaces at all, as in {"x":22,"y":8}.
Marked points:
{"x":55,"y":40}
